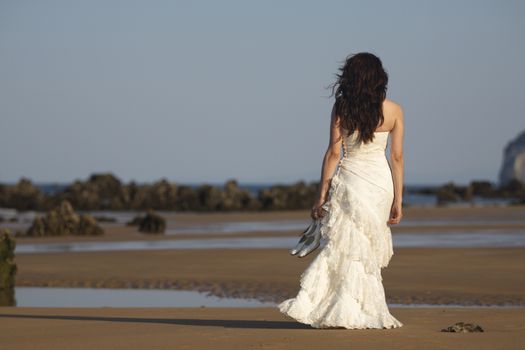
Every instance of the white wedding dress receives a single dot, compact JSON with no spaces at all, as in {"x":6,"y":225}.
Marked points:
{"x":342,"y":286}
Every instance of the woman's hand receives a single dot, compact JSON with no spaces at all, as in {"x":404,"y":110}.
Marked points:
{"x":396,"y":213}
{"x":317,"y":211}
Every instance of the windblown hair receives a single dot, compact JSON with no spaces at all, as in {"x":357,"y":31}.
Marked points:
{"x":359,"y":91}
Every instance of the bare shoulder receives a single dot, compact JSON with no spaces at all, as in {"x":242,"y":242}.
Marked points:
{"x":392,"y":110}
{"x":392,"y":107}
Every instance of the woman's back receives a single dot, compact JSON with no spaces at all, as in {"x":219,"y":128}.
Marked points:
{"x":353,"y":147}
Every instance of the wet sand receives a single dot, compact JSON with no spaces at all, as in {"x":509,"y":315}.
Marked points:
{"x":415,"y":275}
{"x":245,"y":328}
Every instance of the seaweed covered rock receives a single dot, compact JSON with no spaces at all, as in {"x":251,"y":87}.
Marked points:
{"x":463,"y":327}
{"x":210,"y":197}
{"x":88,"y":226}
{"x":161,"y":195}
{"x":482,"y":188}
{"x":235,"y":198}
{"x":8,"y":268}
{"x":102,"y":191}
{"x":297,"y":196}
{"x":151,"y":222}
{"x":187,"y":198}
{"x":21,"y":196}
{"x":450,"y":192}
{"x":61,"y":221}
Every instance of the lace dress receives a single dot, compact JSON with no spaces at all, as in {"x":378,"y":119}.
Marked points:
{"x":342,"y":286}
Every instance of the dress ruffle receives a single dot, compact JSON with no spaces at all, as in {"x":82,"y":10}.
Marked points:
{"x":342,"y":286}
{"x":356,"y":225}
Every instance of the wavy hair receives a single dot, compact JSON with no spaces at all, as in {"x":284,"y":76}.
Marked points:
{"x":360,"y":90}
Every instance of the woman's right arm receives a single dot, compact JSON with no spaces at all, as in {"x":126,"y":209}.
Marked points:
{"x":397,"y":166}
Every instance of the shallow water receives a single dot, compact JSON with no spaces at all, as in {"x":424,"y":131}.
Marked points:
{"x":489,"y":238}
{"x":242,"y":226}
{"x":122,"y":217}
{"x":300,"y":225}
{"x":106,"y":297}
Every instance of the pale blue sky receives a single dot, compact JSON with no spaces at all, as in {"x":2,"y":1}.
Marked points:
{"x":200,"y":91}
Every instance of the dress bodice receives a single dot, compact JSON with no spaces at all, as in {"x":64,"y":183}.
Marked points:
{"x":352,"y":148}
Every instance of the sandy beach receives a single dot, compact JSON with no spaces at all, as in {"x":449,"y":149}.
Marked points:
{"x":467,"y":276}
{"x":259,"y":328}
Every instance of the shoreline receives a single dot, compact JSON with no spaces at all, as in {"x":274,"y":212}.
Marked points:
{"x":424,"y":220}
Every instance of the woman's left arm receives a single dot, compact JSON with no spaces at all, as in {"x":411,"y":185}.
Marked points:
{"x":330,"y":161}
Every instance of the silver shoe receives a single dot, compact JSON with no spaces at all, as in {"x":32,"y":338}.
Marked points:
{"x":306,"y":233}
{"x":313,"y":241}
{"x":309,"y":241}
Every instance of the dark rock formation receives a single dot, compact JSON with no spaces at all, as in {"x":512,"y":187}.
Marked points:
{"x":187,"y":199}
{"x":161,"y":195}
{"x":152,"y":223}
{"x":63,"y":220}
{"x":481,"y":188}
{"x":462,"y":327}
{"x":513,"y":166}
{"x":296,"y":196}
{"x":514,"y":189}
{"x":235,"y":198}
{"x":209,"y":198}
{"x":8,"y":268}
{"x":451,"y":192}
{"x":22,"y":196}
{"x":102,"y":191}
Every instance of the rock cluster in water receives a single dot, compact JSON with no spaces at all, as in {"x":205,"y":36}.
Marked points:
{"x":151,"y":222}
{"x":62,"y":220}
{"x":105,"y":191}
{"x":513,"y":166}
{"x":8,"y":268}
{"x":451,"y":192}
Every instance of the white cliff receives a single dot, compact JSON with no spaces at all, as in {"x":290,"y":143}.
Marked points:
{"x":513,"y":161}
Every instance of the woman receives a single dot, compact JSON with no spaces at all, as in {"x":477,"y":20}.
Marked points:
{"x":342,"y":286}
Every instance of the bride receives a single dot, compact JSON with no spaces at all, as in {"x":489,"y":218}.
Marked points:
{"x":360,"y":195}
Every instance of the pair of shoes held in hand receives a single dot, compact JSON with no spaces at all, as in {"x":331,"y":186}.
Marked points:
{"x":309,"y":241}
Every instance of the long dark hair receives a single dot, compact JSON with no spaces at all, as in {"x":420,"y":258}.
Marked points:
{"x":359,"y":91}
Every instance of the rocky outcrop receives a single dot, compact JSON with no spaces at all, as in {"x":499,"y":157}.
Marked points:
{"x":102,"y":191}
{"x":151,"y":222}
{"x":513,"y":166}
{"x":105,"y":191}
{"x":296,"y":196}
{"x":21,"y":196}
{"x":63,"y":220}
{"x":235,"y":198}
{"x":8,"y":268}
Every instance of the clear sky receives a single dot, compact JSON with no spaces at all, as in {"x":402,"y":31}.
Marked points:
{"x":205,"y":91}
